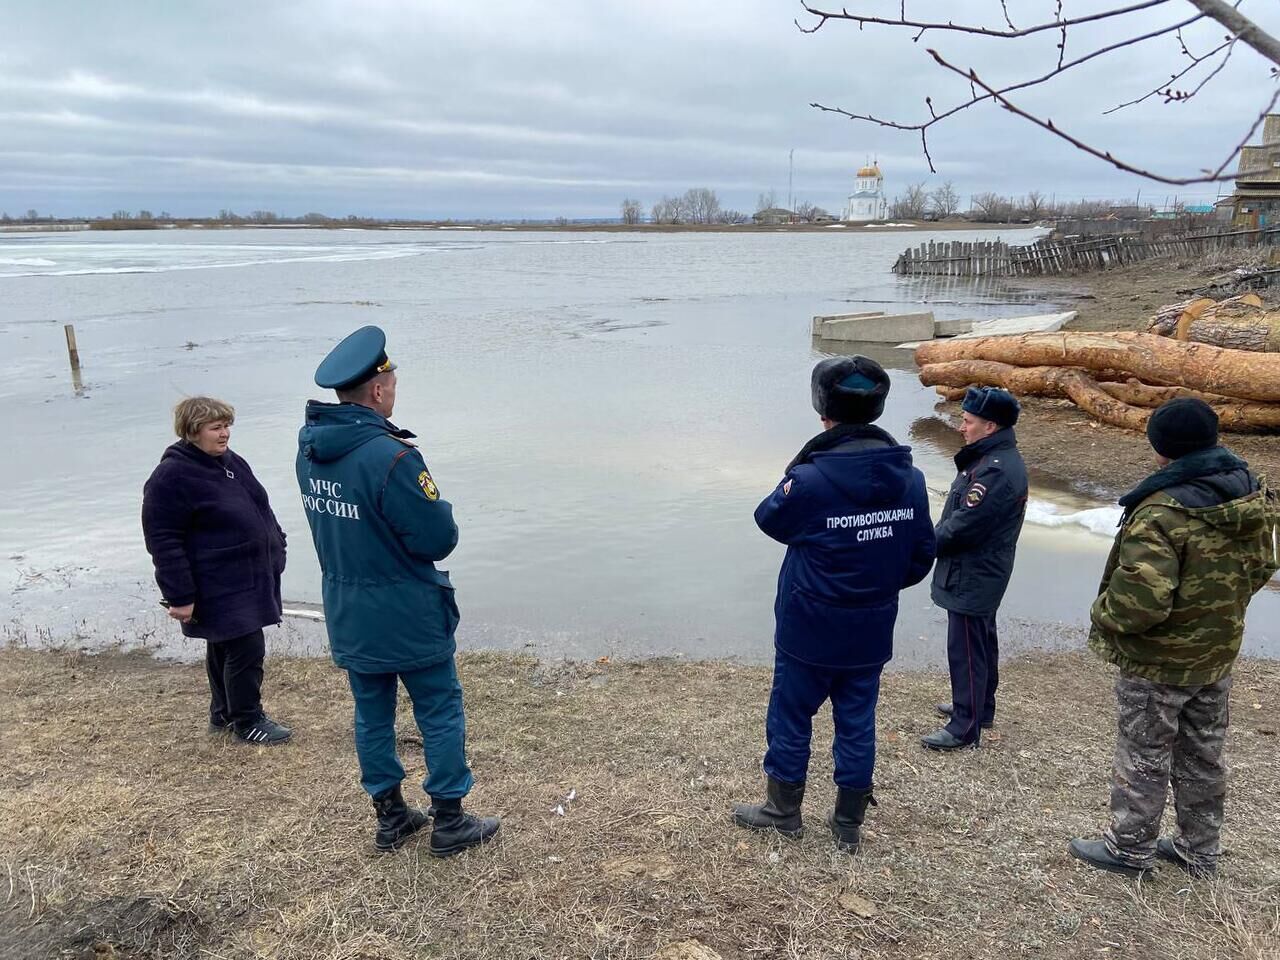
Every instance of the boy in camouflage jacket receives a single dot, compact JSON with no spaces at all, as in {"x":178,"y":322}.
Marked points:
{"x":1197,"y":541}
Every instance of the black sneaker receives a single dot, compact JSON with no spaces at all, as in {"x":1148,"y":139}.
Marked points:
{"x":219,"y":728}
{"x":263,"y":732}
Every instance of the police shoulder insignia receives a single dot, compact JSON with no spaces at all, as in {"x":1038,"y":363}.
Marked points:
{"x":428,"y":486}
{"x":786,"y":489}
{"x":974,"y":495}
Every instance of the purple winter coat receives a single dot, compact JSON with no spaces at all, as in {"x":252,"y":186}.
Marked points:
{"x":214,"y":542}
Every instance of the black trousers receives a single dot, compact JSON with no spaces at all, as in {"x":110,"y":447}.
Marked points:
{"x":235,"y":679}
{"x":973,"y":654}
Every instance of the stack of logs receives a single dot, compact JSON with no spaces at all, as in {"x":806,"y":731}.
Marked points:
{"x":1226,"y":353}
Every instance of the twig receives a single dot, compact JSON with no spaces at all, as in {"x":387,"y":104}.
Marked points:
{"x":1166,"y":88}
{"x":1058,"y":23}
{"x":976,"y":98}
{"x":1047,"y":124}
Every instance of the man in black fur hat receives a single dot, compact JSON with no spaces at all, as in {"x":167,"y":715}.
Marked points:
{"x":854,"y":514}
{"x":977,"y":538}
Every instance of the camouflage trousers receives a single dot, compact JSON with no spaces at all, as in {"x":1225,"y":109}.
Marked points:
{"x":1168,"y":734}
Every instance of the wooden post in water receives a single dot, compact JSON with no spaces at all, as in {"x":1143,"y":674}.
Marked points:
{"x":72,"y":352}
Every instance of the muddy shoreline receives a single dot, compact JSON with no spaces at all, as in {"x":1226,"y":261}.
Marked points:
{"x":1057,"y":438}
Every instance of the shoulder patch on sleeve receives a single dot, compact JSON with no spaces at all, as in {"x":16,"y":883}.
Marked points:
{"x":428,"y":486}
{"x":976,"y":493}
{"x":786,"y":488}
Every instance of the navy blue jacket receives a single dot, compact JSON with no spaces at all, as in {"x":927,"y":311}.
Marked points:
{"x":978,"y":532}
{"x":379,"y":525}
{"x":855,"y":519}
{"x":214,"y":542}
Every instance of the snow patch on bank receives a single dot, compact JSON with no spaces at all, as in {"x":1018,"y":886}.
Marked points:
{"x":1100,"y":520}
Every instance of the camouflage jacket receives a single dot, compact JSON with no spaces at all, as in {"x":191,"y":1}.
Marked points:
{"x":1198,"y":540}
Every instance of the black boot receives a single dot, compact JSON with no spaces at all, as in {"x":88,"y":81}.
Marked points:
{"x":780,"y":811}
{"x":456,"y":831}
{"x":846,"y":819}
{"x":397,"y":821}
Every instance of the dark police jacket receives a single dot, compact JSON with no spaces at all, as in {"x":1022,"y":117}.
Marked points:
{"x":854,"y":515}
{"x":379,"y":525}
{"x":214,"y":542}
{"x":978,"y":532}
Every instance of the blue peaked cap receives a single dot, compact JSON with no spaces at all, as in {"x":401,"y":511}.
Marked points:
{"x":359,"y":357}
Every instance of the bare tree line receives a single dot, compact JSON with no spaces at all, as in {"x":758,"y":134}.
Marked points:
{"x":696,"y":205}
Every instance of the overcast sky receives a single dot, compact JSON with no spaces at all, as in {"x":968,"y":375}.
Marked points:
{"x":542,"y":108}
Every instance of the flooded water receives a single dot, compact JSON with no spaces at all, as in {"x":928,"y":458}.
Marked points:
{"x":604,"y":412}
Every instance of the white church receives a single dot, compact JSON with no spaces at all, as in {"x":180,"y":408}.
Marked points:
{"x":867,"y":202}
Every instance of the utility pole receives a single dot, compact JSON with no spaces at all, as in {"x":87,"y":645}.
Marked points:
{"x":791,"y":172}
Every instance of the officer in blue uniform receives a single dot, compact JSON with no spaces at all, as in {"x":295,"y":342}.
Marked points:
{"x":854,"y":514}
{"x":379,"y":526}
{"x":977,"y":539}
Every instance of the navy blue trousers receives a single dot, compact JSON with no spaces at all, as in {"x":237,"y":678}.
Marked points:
{"x":437,"y":708}
{"x":973,"y":653}
{"x":799,"y":691}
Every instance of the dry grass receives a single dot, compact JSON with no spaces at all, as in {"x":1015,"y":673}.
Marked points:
{"x":129,"y":833}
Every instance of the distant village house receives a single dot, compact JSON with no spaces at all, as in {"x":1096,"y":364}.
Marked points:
{"x":1257,"y":196}
{"x":772,"y":216}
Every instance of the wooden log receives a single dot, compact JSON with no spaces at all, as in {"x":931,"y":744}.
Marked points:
{"x":1125,"y":404}
{"x":1239,"y":323}
{"x":1199,"y":366}
{"x":1081,"y":389}
{"x":1165,"y":321}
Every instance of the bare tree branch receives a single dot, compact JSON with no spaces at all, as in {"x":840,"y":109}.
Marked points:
{"x":1047,"y":124}
{"x":1062,"y":39}
{"x":1240,"y":26}
{"x":976,"y":98}
{"x":1166,"y":88}
{"x":1004,"y":8}
{"x":1058,"y":23}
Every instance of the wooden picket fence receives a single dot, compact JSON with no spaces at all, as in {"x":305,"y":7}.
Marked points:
{"x":994,"y":258}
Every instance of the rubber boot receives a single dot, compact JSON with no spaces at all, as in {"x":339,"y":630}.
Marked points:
{"x":846,"y":819}
{"x":397,"y":821}
{"x":1096,"y":854}
{"x":780,"y":811}
{"x":456,"y":831}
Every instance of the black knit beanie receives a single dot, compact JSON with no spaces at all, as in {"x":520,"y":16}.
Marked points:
{"x":1182,"y":426}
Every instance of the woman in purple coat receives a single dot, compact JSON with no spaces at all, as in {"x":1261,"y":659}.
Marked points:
{"x":218,"y":553}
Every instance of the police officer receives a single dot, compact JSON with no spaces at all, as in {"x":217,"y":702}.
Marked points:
{"x":379,"y":525}
{"x":854,"y":515}
{"x":977,"y":537}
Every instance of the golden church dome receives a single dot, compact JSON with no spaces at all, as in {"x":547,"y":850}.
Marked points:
{"x":871,"y":171}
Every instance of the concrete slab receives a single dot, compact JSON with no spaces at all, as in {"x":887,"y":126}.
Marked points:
{"x":819,"y":321}
{"x":1008,"y":326}
{"x":1004,"y":327}
{"x":952,"y":328}
{"x":879,"y":329}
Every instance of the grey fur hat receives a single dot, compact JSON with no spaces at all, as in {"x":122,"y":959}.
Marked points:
{"x":849,"y":389}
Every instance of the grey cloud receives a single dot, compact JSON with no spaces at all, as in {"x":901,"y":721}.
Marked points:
{"x":439,"y":109}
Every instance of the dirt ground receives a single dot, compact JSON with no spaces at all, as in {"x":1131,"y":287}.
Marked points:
{"x":131,"y":833}
{"x":1057,"y":439}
